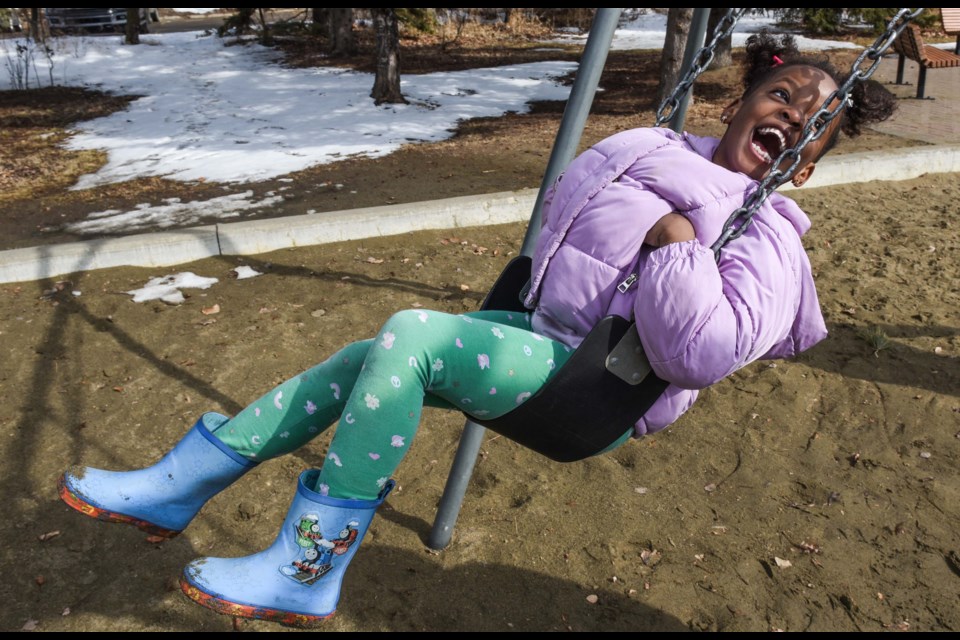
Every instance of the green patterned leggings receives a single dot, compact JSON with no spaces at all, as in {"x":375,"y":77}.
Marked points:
{"x":484,"y":363}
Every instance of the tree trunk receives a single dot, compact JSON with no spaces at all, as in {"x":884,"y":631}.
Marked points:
{"x":386,"y":84}
{"x":133,"y":26}
{"x":678,"y":29}
{"x":321,"y":23}
{"x":723,"y":53}
{"x":35,"y":32}
{"x":342,"y":42}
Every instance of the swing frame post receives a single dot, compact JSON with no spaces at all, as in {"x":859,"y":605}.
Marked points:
{"x":695,"y":40}
{"x":568,"y":139}
{"x":575,"y":112}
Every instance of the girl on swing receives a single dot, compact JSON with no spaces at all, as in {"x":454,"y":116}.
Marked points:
{"x":627,"y":230}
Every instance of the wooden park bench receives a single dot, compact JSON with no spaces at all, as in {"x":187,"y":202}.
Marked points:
{"x":909,"y":44}
{"x":950,"y":19}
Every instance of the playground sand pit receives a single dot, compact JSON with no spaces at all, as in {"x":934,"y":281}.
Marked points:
{"x":815,"y":494}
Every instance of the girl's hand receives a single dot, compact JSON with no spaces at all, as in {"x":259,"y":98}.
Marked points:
{"x":671,"y":228}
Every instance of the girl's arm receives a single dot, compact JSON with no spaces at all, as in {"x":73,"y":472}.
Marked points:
{"x":700,"y":321}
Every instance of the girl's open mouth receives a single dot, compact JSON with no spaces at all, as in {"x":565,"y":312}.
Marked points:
{"x":768,"y":143}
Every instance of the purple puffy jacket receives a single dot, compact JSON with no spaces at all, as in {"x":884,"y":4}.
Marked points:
{"x":699,"y":320}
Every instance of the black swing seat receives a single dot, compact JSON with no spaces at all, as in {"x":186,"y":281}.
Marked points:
{"x":592,"y":400}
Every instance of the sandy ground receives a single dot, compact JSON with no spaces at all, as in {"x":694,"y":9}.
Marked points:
{"x":817,"y":494}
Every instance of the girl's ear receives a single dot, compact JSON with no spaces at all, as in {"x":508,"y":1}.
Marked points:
{"x":801,"y":176}
{"x":729,"y":111}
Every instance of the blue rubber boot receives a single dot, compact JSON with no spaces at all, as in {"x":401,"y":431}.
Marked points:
{"x":164,"y":498}
{"x":296,"y":581}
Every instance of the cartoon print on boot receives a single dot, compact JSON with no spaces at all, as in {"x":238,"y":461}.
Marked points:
{"x":316,"y":556}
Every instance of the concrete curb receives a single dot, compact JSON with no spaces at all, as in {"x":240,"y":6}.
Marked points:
{"x":253,"y":237}
{"x":261,"y":236}
{"x":905,"y":164}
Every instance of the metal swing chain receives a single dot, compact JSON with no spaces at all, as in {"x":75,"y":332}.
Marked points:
{"x":701,"y":60}
{"x":812,"y":130}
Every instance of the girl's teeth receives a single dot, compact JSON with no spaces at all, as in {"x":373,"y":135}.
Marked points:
{"x":761,"y":152}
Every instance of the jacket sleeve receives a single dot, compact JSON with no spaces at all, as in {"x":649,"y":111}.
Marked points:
{"x":700,"y":321}
{"x":671,"y":404}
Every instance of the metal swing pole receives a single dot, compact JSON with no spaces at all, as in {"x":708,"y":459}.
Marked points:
{"x":568,"y":138}
{"x":695,"y":40}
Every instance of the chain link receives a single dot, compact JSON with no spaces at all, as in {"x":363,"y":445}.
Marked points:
{"x":701,"y":60}
{"x":813,"y":129}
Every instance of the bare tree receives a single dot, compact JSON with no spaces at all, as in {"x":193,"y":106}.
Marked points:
{"x":723,"y":52}
{"x":342,"y":41}
{"x":320,"y":15}
{"x":237,"y":23}
{"x":386,"y":84}
{"x":35,"y":28}
{"x":133,"y":26}
{"x":266,"y":34}
{"x":678,"y":30}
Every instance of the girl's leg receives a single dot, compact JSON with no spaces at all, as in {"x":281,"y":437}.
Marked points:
{"x":446,"y":358}
{"x":298,"y":410}
{"x":484,"y":363}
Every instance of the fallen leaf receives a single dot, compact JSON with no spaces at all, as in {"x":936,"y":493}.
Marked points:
{"x":66,"y":611}
{"x":40,"y":580}
{"x":210,"y":310}
{"x":155,"y":539}
{"x":49,"y":535}
{"x":783,"y":564}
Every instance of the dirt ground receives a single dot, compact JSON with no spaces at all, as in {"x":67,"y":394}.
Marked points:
{"x":817,"y":494}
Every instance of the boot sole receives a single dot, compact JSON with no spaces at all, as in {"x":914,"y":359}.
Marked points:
{"x":104,"y":515}
{"x":286,"y":618}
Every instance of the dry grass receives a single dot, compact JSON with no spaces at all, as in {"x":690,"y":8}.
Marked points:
{"x":32,"y":130}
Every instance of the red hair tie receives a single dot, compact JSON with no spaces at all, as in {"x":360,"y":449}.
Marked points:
{"x":776,"y":61}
